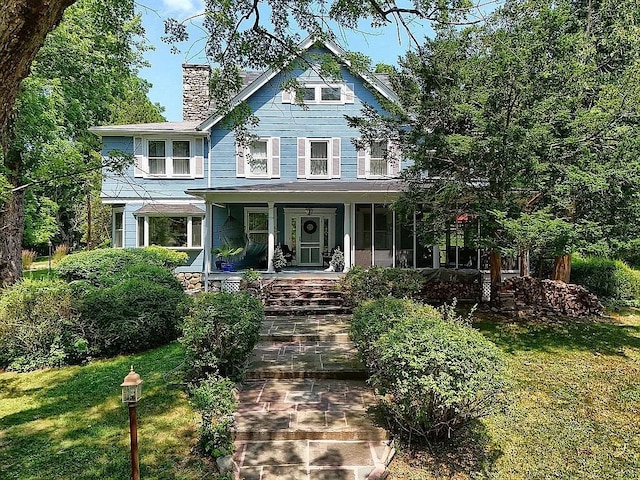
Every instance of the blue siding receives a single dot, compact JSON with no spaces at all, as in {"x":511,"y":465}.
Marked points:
{"x":196,"y":257}
{"x":126,"y":186}
{"x":288,"y":122}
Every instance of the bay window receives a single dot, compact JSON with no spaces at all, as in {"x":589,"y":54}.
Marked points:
{"x":170,"y":231}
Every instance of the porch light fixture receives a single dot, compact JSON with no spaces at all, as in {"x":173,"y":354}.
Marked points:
{"x":131,"y":393}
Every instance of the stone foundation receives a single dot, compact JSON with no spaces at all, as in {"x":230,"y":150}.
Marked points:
{"x":193,"y":282}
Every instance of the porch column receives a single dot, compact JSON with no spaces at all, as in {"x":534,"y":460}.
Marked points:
{"x":271,"y":243}
{"x":347,"y":237}
{"x":208,"y":221}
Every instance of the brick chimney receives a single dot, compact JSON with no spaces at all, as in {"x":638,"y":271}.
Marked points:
{"x":196,"y":103}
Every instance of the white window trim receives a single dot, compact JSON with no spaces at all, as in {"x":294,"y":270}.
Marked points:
{"x":168,"y":145}
{"x":390,"y":160}
{"x":369,"y":157}
{"x":346,"y":94}
{"x":247,"y":159}
{"x":113,"y":226}
{"x":189,"y":218}
{"x":329,"y":142}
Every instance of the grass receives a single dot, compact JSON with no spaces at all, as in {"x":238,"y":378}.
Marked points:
{"x":575,"y":409}
{"x":70,"y":422}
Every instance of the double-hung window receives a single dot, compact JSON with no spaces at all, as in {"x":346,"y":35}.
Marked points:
{"x":118,"y":228}
{"x":318,"y":158}
{"x":379,"y":159}
{"x":259,"y":159}
{"x":157,"y":157}
{"x":169,"y":158}
{"x":181,"y":157}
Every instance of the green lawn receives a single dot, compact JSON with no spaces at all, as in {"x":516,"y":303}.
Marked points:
{"x":575,"y":409}
{"x":70,"y":423}
{"x":575,"y":414}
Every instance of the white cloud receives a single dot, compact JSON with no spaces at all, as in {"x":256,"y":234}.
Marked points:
{"x":183,"y":6}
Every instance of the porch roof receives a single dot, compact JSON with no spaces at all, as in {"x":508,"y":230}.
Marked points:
{"x":382,"y":191}
{"x":166,"y":209}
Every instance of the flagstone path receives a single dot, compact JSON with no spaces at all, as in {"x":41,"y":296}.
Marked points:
{"x":303,"y":411}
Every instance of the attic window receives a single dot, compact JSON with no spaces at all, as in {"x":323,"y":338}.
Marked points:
{"x":331,"y":94}
{"x":321,"y":93}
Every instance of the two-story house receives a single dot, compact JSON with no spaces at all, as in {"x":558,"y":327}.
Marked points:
{"x":299,"y":181}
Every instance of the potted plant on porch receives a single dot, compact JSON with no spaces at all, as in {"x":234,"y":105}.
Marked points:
{"x":226,"y":254}
{"x":278,"y":260}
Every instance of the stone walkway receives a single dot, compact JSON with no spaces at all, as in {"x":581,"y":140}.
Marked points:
{"x":303,"y":412}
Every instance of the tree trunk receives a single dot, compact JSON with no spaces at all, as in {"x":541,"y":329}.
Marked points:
{"x":24,"y":24}
{"x":562,"y":268}
{"x":495,"y":270}
{"x":11,"y":229}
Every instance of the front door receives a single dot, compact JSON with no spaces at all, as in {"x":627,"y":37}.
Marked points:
{"x":311,"y":236}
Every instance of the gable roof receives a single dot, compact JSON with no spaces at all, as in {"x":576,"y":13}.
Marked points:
{"x":374,"y":81}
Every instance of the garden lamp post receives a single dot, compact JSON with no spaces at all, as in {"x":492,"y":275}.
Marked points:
{"x":131,"y":393}
{"x":50,"y":247}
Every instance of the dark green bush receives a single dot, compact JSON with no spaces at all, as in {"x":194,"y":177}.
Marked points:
{"x":151,"y":273}
{"x":214,"y":397}
{"x":133,"y":315}
{"x":436,"y":377}
{"x":359,"y":284}
{"x":220,"y":333}
{"x":372,"y":318}
{"x":40,"y":327}
{"x":608,"y":279}
{"x":94,"y":265}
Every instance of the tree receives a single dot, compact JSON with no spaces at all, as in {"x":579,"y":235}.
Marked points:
{"x":534,"y":111}
{"x":85,"y":66}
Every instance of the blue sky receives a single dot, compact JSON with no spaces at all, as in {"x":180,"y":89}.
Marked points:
{"x":165,"y":72}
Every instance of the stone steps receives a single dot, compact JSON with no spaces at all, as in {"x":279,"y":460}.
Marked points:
{"x":306,"y":409}
{"x":317,"y":359}
{"x":318,"y":328}
{"x":296,"y":310}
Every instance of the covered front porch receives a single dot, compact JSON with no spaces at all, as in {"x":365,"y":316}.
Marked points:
{"x":309,"y":220}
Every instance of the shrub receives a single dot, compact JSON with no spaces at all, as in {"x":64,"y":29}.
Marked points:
{"x":220,"y":333}
{"x":150,"y":273}
{"x":133,"y":315}
{"x":359,"y":284}
{"x":60,"y":252}
{"x":373,"y":318}
{"x":93,"y":265}
{"x":436,"y":376}
{"x":214,"y":398}
{"x":39,"y":326}
{"x":28,"y":257}
{"x":610,"y":279}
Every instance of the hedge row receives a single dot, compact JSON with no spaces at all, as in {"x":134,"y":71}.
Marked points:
{"x":434,"y":375}
{"x":359,"y":284}
{"x":97,"y":265}
{"x":608,"y":279}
